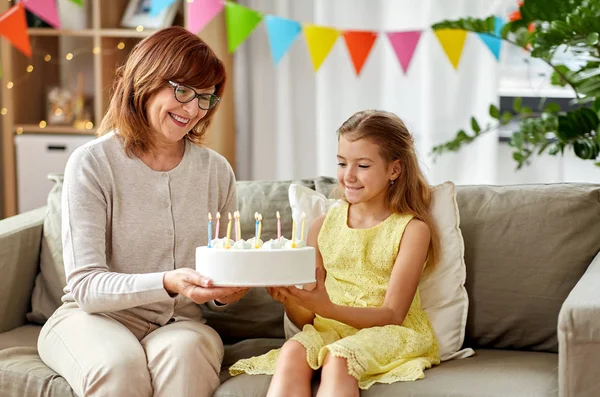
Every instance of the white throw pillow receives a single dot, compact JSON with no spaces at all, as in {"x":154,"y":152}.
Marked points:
{"x":443,"y":294}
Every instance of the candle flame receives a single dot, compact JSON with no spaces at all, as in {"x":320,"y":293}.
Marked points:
{"x":229,"y":215}
{"x":260,"y":217}
{"x":278,"y":216}
{"x":256,"y":215}
{"x":218,"y":215}
{"x":209,"y":217}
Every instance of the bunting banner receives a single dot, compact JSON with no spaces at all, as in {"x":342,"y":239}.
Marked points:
{"x":241,"y":21}
{"x":453,"y":42}
{"x":404,"y":45}
{"x":359,"y":44}
{"x":44,"y":9}
{"x":282,"y":33}
{"x":13,"y":26}
{"x":494,"y":42}
{"x":201,"y":12}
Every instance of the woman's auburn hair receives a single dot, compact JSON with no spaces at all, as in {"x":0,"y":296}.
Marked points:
{"x":172,"y":54}
{"x":410,"y":194}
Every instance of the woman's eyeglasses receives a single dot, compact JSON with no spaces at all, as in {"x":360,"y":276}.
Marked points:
{"x":185,"y":94}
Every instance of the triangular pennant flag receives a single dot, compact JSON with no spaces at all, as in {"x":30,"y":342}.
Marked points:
{"x":359,"y":44}
{"x":241,"y":21}
{"x":282,"y":33}
{"x":13,"y":26}
{"x":156,"y":6}
{"x":44,"y":9}
{"x":201,"y":12}
{"x":494,"y":42}
{"x":453,"y":42}
{"x":78,"y":2}
{"x":404,"y":45}
{"x":320,"y":41}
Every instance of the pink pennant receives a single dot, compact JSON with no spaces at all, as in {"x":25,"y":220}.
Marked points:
{"x":404,"y":44}
{"x":201,"y":12}
{"x":45,"y":9}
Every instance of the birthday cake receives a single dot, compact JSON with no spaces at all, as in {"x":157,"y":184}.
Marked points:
{"x":253,"y":263}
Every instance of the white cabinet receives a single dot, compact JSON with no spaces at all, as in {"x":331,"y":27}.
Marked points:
{"x":37,"y":156}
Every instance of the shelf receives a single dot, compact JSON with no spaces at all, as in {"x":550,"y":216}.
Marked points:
{"x":55,"y":129}
{"x":60,"y":32}
{"x":126,"y":33}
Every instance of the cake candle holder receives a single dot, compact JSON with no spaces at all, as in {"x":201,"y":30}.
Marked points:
{"x":228,"y":244}
{"x":209,"y":230}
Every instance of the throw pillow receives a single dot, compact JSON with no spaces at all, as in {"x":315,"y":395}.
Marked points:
{"x":50,"y":281}
{"x":443,"y":294}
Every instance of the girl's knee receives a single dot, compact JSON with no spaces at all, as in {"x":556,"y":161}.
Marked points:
{"x":127,"y":376}
{"x":293,"y":348}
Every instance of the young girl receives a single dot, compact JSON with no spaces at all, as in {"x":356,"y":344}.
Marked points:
{"x":363,"y":322}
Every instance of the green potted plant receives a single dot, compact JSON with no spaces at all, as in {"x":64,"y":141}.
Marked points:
{"x":544,"y":27}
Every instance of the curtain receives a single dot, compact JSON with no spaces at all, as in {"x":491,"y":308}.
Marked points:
{"x":287,"y":114}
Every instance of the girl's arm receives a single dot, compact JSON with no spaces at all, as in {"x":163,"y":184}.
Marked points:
{"x":401,"y":288}
{"x":298,"y":314}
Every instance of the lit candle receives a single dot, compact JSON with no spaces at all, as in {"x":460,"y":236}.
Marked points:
{"x":228,"y":245}
{"x":209,"y":229}
{"x":239,"y":229}
{"x":303,"y":222}
{"x":259,"y":230}
{"x":278,"y":227}
{"x":256,"y":226}
{"x":218,"y":225}
{"x":293,"y":232}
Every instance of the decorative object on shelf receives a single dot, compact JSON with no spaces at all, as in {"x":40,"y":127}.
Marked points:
{"x":139,"y":13}
{"x":59,"y":103}
{"x":544,"y":28}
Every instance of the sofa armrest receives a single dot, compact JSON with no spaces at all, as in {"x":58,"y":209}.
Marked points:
{"x":20,"y":244}
{"x":579,"y":337}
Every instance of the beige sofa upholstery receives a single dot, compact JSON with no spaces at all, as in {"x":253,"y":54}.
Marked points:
{"x":533,"y":272}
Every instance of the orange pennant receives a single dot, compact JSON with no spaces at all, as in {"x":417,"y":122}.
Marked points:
{"x":13,"y":26}
{"x":359,"y":44}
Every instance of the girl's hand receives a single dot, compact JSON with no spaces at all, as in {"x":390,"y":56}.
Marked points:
{"x":317,"y":300}
{"x":198,"y":288}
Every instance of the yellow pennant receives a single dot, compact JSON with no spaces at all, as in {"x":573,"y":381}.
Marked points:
{"x":320,"y":41}
{"x":453,"y":42}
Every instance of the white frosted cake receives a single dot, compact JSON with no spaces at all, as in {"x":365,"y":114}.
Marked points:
{"x":245,"y":263}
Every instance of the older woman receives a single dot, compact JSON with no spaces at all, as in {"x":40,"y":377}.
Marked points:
{"x":134,"y":207}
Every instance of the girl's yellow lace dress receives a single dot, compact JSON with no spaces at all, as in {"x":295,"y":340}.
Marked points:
{"x":359,"y":263}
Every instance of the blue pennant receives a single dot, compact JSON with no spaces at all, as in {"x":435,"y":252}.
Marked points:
{"x":157,"y":6}
{"x":282,"y":33}
{"x":494,"y":42}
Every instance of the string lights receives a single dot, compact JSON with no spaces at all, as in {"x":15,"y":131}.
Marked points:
{"x":69,"y":56}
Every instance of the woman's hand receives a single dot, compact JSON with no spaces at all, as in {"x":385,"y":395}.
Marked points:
{"x":198,"y":288}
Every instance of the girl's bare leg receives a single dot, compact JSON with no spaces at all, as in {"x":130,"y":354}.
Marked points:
{"x":335,"y":379}
{"x":292,"y":374}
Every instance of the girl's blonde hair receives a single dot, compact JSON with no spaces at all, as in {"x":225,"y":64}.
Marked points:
{"x":170,"y":54}
{"x":410,"y":194}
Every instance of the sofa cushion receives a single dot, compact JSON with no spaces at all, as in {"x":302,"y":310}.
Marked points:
{"x":490,"y":373}
{"x":525,"y":247}
{"x":22,"y":373}
{"x":257,"y":315}
{"x":443,"y":293}
{"x":24,"y":336}
{"x":50,"y":281}
{"x":19,"y":257}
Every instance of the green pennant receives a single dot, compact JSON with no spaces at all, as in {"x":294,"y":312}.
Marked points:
{"x":241,"y":21}
{"x":78,"y":2}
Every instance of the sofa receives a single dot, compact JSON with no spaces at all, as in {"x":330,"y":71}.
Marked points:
{"x":532,"y":277}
